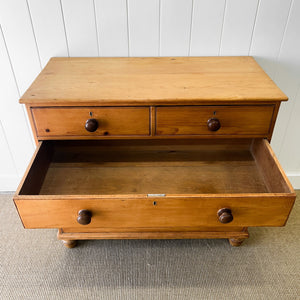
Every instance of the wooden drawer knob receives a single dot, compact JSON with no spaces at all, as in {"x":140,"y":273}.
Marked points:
{"x":91,"y":125}
{"x":84,"y":217}
{"x":225,"y":215}
{"x":213,"y":124}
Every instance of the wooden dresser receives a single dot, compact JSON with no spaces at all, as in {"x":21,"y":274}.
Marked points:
{"x":153,"y":148}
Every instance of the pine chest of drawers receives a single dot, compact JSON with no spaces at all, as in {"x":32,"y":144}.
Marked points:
{"x":153,"y":148}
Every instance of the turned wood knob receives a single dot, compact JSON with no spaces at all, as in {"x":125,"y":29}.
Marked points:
{"x":84,"y":217}
{"x":91,"y":125}
{"x":213,"y":124}
{"x":225,"y":215}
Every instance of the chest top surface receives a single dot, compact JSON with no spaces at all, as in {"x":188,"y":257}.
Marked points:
{"x":151,"y":81}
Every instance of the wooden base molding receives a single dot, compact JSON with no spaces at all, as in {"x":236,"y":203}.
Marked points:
{"x":69,"y":238}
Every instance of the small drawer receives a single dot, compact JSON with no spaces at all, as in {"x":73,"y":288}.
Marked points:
{"x":214,"y":120}
{"x":87,"y":122}
{"x":183,"y":185}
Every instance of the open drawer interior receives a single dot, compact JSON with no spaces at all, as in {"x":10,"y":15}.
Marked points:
{"x":150,"y":167}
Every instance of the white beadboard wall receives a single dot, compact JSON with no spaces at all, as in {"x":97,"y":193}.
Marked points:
{"x":32,"y":31}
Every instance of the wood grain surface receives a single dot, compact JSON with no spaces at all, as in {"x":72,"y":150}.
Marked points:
{"x":234,"y":120}
{"x":160,"y":80}
{"x":112,"y":121}
{"x":200,"y":233}
{"x":140,"y":212}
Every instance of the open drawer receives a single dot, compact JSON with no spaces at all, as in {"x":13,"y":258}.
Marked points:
{"x":154,"y":184}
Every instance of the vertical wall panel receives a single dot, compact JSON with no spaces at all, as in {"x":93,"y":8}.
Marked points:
{"x":6,"y":161}
{"x":272,"y":17}
{"x":207,"y":27}
{"x":12,"y":115}
{"x":143,"y":20}
{"x":268,"y":32}
{"x":290,"y":150}
{"x":49,"y":28}
{"x":289,"y":58}
{"x":288,"y":85}
{"x":17,"y":29}
{"x":79,"y":17}
{"x":175,"y":22}
{"x":112,"y":27}
{"x":8,"y":174}
{"x":287,"y":77}
{"x":238,"y":27}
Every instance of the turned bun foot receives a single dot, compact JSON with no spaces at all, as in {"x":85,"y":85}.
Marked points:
{"x":236,"y":242}
{"x":70,"y":243}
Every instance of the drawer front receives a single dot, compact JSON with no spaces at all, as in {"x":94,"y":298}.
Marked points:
{"x":155,"y":213}
{"x":112,"y":179}
{"x":214,"y":120}
{"x":110,"y":121}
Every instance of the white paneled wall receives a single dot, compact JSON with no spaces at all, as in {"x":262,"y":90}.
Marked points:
{"x":32,"y":31}
{"x":207,"y":14}
{"x":143,"y":21}
{"x":238,"y":24}
{"x":112,"y":27}
{"x":80,"y":26}
{"x":49,"y":29}
{"x":175,"y":27}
